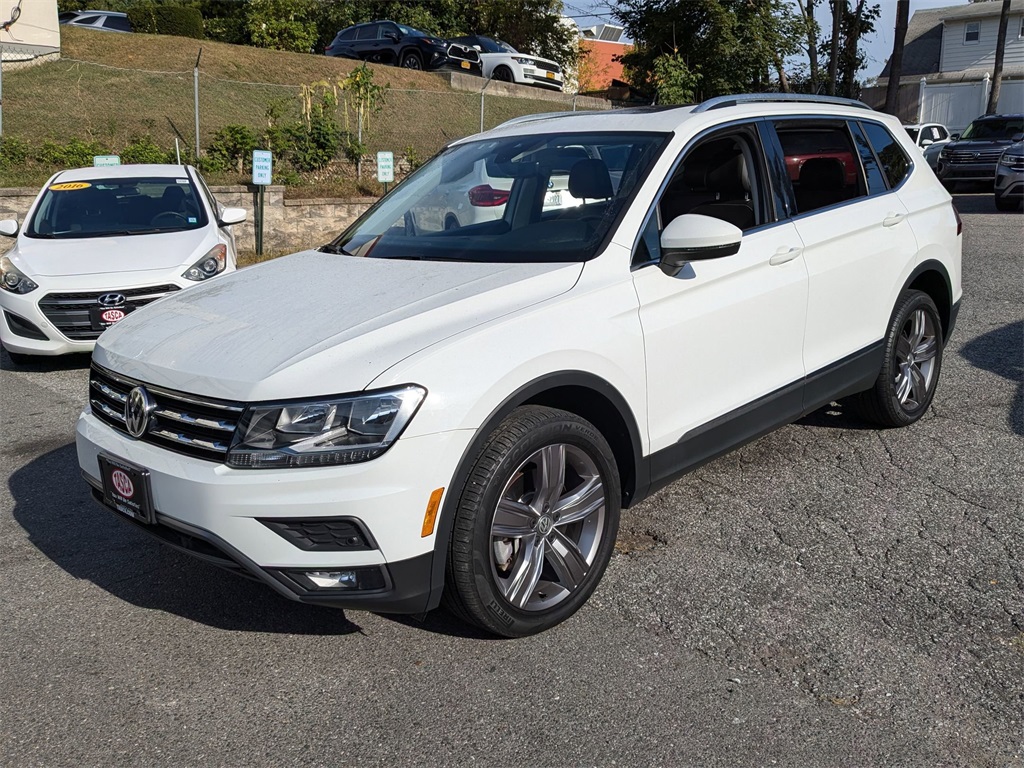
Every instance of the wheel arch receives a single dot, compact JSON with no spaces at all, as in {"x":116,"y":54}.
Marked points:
{"x":931,"y":277}
{"x":578,"y":392}
{"x":413,"y":50}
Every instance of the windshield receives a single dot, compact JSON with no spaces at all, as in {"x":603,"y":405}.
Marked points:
{"x":107,"y":207}
{"x":487,"y":45}
{"x":999,"y":128}
{"x":537,"y":198}
{"x":410,"y":32}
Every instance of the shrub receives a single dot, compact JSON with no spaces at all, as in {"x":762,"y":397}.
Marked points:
{"x":142,"y":149}
{"x":231,"y":147}
{"x":13,"y":151}
{"x":75,"y":154}
{"x":280,"y":24}
{"x":167,"y":20}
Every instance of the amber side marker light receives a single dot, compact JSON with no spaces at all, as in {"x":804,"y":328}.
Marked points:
{"x":430,"y":516}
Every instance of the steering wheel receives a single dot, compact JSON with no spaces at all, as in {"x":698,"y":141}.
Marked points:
{"x":170,"y":216}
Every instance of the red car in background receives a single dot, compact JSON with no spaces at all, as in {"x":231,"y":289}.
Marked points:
{"x":805,"y":145}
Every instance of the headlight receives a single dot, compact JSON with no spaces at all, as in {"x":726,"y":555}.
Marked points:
{"x":325,"y":431}
{"x":946,"y":152}
{"x":1011,"y":161}
{"x":211,"y":264}
{"x":13,"y":279}
{"x":521,"y":60}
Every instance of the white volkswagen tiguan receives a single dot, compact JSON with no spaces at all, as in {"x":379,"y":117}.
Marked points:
{"x":414,"y":414}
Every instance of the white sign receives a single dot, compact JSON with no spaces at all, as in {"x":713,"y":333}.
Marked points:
{"x":385,"y":167}
{"x":104,"y":160}
{"x":262,"y":166}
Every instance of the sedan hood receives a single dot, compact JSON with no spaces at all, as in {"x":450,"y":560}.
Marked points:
{"x":97,"y":255}
{"x":316,"y":323}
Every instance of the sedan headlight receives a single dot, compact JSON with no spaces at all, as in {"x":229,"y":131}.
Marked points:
{"x":211,"y":264}
{"x":324,"y":431}
{"x":13,"y":279}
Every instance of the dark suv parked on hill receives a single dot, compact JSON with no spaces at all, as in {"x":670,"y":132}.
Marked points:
{"x":386,"y":42}
{"x":974,"y":155}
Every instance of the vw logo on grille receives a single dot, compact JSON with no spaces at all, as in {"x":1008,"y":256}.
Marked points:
{"x":137,"y":409}
{"x":111,"y":300}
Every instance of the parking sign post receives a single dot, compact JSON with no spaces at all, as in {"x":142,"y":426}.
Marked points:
{"x":262,"y":172}
{"x":385,"y":169}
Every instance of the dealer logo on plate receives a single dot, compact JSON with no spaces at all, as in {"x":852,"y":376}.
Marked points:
{"x":122,"y":483}
{"x":112,"y":315}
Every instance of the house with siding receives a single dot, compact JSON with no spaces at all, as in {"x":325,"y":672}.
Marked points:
{"x":948,"y":59}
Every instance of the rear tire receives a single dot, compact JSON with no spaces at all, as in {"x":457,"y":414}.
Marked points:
{"x":911,"y":366}
{"x":536,"y":524}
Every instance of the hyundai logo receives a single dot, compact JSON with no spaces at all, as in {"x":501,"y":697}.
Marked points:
{"x":111,"y":300}
{"x":137,"y":409}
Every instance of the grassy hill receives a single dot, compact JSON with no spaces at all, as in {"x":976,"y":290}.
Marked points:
{"x":111,"y":88}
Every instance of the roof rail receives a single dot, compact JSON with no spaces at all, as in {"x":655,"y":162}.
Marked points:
{"x":531,"y":118}
{"x":746,"y":98}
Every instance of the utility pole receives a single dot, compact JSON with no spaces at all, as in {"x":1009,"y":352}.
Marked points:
{"x":195,"y":90}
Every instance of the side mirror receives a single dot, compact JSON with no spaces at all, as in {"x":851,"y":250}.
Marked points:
{"x":231,"y":216}
{"x":693,"y":237}
{"x":954,"y":137}
{"x":926,"y":143}
{"x":1018,"y":137}
{"x":8,"y":227}
{"x":392,"y":36}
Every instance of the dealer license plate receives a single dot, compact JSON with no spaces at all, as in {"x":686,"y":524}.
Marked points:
{"x":126,"y":489}
{"x":101,"y":318}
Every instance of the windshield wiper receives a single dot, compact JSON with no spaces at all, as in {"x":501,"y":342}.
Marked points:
{"x":332,"y":248}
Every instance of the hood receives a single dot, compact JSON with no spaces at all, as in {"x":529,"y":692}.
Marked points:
{"x":315,"y":323}
{"x":976,"y":144}
{"x":97,"y":255}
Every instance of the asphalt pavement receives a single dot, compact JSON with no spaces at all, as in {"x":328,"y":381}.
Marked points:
{"x":828,"y":595}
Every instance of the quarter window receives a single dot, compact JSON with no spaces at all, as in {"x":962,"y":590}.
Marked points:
{"x":347,"y":34}
{"x":369,"y":32}
{"x":821,"y":162}
{"x":972,"y":32}
{"x":894,"y":161}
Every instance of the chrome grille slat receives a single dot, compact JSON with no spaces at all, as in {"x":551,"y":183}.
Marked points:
{"x":186,"y":418}
{"x":190,"y":424}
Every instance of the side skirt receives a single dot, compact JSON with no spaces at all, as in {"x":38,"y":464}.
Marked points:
{"x":854,"y":373}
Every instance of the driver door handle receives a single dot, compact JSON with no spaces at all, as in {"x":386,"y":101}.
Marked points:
{"x":783,"y":255}
{"x":892,"y":219}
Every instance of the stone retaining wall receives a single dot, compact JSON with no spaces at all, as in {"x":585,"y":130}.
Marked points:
{"x":290,"y":225}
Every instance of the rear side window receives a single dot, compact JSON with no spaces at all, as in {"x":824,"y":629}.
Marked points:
{"x":120,"y":23}
{"x":821,"y":162}
{"x":894,"y":160}
{"x":347,"y":34}
{"x":87,"y":20}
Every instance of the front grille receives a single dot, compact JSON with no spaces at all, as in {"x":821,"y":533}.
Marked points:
{"x":69,"y":312}
{"x":548,"y":67}
{"x":979,"y":156}
{"x":195,"y":426}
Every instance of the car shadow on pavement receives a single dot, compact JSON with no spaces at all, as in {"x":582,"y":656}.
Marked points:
{"x":838,"y":415}
{"x":1001,"y":351}
{"x":56,"y":509}
{"x":43,"y":363}
{"x":976,"y":203}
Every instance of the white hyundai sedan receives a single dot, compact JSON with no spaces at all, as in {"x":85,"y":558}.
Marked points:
{"x":98,"y":243}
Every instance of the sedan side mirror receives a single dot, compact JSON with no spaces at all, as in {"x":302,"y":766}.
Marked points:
{"x":926,"y":142}
{"x":231,"y":216}
{"x":694,"y":237}
{"x":8,"y":227}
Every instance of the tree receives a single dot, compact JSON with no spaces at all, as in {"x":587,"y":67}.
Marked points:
{"x":997,"y":66}
{"x":811,"y":33}
{"x":674,"y":81}
{"x":734,"y":45}
{"x":892,"y":90}
{"x":843,"y":47}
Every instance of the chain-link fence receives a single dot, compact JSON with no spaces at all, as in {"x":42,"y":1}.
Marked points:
{"x":113,"y":105}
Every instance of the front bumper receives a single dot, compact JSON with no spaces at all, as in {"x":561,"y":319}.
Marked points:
{"x":966,"y":171}
{"x":1009,"y":184}
{"x":217,"y":513}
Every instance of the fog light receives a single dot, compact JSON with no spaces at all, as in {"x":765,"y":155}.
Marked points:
{"x":333,"y":579}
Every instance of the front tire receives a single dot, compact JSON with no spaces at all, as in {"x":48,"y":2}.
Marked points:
{"x":503,"y":74}
{"x":1007,"y":203}
{"x":910,"y":369}
{"x":411,"y":60}
{"x":536,"y":523}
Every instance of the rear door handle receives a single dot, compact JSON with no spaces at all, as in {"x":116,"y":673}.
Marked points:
{"x":892,"y":219}
{"x":783,"y":255}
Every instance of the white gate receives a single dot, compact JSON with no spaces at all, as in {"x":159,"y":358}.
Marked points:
{"x":955,"y":105}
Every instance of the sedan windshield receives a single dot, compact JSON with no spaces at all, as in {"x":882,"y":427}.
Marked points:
{"x":536,"y":198}
{"x":109,"y":207}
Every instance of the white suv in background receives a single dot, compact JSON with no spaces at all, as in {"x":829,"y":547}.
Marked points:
{"x":460,"y":414}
